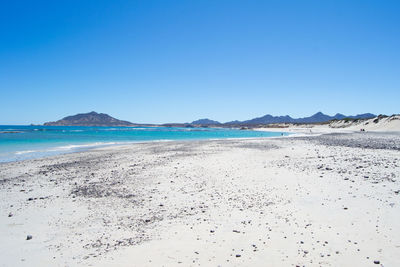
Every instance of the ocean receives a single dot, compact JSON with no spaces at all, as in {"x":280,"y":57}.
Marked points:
{"x":27,"y":142}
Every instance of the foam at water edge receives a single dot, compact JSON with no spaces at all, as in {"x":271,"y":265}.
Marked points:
{"x":31,"y":154}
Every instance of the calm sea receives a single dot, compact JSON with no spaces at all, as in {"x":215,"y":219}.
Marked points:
{"x":26,"y":142}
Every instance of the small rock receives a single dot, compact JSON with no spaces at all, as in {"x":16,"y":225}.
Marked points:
{"x":10,"y":214}
{"x":238,"y":255}
{"x":376,"y":262}
{"x":28,"y":237}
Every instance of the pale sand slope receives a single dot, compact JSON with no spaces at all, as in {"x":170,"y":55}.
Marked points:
{"x":330,"y":200}
{"x":384,"y":124}
{"x":377,"y":124}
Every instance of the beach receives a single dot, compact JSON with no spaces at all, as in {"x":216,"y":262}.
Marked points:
{"x":307,"y":200}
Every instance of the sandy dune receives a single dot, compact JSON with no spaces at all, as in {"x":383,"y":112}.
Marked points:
{"x":377,"y":124}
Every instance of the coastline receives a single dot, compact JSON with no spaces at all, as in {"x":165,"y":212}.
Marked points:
{"x":76,"y":148}
{"x":312,"y":200}
{"x":31,"y":142}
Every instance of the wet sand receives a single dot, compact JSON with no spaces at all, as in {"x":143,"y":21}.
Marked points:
{"x":328,"y":200}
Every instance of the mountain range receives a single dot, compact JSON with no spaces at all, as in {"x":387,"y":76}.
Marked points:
{"x":316,"y":118}
{"x":101,"y":119}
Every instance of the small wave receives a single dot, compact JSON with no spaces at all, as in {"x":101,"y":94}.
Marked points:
{"x":25,"y":152}
{"x":12,"y":129}
{"x":73,"y":130}
{"x":69,"y":147}
{"x":124,"y":129}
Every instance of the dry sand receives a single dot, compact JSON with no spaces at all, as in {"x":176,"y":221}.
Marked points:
{"x":328,"y":200}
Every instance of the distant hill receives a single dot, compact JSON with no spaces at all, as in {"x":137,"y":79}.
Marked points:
{"x":205,"y":122}
{"x":362,"y":116}
{"x":316,"y":118}
{"x":90,"y":119}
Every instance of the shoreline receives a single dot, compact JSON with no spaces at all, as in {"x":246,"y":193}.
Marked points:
{"x":74,"y":147}
{"x":314,"y":200}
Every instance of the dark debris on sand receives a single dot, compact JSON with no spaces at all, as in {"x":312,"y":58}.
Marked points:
{"x":368,"y":140}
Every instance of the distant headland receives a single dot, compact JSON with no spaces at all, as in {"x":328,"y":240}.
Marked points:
{"x":90,"y":119}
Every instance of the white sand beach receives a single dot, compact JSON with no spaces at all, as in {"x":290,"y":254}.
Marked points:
{"x":327,"y":200}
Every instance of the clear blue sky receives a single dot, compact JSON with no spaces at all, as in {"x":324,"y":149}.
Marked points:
{"x":177,"y":61}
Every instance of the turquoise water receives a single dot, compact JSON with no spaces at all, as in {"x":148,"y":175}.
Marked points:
{"x":25,"y":142}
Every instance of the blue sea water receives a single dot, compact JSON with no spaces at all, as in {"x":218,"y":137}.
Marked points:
{"x":26,"y":142}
